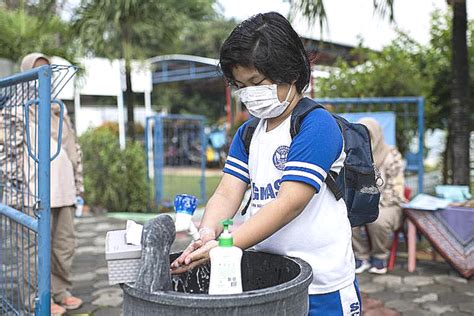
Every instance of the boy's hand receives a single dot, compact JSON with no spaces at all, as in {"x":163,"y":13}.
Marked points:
{"x":194,"y":255}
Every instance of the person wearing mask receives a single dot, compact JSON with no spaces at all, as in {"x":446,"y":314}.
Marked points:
{"x":292,"y":211}
{"x":388,"y":161}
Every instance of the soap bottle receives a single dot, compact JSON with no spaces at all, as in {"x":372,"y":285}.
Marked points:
{"x":225,"y":265}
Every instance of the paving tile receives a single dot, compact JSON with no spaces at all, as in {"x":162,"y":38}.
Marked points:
{"x":437,"y":308}
{"x":112,"y":290}
{"x":101,"y":284}
{"x":449,"y":280}
{"x":371,"y":288}
{"x":381,"y":311}
{"x":389,"y":280}
{"x":401,"y":305}
{"x":89,"y":276}
{"x":454,"y":298}
{"x":108,"y":312}
{"x":387,"y":295}
{"x":417,"y":313}
{"x":435,"y":288}
{"x":110,"y":300}
{"x":430,"y":297}
{"x":405,"y":288}
{"x":85,"y":234}
{"x":418,"y":280}
{"x":467,"y":307}
{"x":102,"y":270}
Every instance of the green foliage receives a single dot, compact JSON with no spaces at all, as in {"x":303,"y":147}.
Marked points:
{"x":113,"y":179}
{"x":22,"y":33}
{"x":404,"y":68}
{"x":208,"y":40}
{"x":135,"y":28}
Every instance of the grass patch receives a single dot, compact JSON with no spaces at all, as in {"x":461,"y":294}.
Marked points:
{"x":174,"y":184}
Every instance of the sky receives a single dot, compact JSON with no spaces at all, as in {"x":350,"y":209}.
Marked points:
{"x":351,"y":20}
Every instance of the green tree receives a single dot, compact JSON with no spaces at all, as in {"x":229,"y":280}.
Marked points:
{"x":395,"y":71}
{"x":135,"y":29}
{"x":459,"y":115}
{"x":208,"y":41}
{"x":23,"y":33}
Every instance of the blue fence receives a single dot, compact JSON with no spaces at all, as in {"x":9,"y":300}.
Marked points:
{"x":176,"y":161}
{"x":25,"y":155}
{"x":409,"y":125}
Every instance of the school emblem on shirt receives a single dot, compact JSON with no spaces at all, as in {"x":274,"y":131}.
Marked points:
{"x":280,"y":156}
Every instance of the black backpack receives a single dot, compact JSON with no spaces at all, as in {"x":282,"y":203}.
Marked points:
{"x":357,"y":180}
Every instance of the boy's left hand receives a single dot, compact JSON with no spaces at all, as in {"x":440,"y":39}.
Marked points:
{"x":196,"y":258}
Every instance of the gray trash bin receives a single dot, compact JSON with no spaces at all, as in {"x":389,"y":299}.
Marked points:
{"x":273,"y":285}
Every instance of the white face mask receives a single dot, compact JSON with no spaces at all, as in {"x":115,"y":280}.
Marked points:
{"x":262,"y":101}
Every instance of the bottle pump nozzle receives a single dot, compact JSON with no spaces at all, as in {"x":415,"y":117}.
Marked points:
{"x":225,"y":239}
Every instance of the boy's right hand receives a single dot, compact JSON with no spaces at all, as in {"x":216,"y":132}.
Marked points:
{"x":206,"y":234}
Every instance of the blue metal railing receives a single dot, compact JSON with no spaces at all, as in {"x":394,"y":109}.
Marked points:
{"x":419,"y":102}
{"x":25,"y":195}
{"x":176,"y":143}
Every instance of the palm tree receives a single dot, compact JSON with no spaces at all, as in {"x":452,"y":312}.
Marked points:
{"x":136,"y":29}
{"x":460,"y":116}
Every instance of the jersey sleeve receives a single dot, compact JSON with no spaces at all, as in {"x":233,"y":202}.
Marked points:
{"x":237,"y":159}
{"x":314,"y":149}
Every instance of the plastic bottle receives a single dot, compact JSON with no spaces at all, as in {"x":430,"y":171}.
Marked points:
{"x":185,"y":205}
{"x":79,"y":206}
{"x":225,"y":265}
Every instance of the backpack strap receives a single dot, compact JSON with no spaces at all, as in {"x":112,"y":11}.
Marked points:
{"x":247,"y":135}
{"x":248,"y":132}
{"x":303,"y":108}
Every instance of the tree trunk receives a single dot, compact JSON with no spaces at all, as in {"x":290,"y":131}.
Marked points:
{"x":460,"y":111}
{"x":129,"y":101}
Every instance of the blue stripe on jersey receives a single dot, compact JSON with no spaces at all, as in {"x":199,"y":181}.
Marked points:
{"x":311,"y":171}
{"x":317,"y":146}
{"x":311,"y":182}
{"x":237,"y":163}
{"x":236,"y":174}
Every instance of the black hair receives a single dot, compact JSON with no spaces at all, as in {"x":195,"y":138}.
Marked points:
{"x":268,"y":43}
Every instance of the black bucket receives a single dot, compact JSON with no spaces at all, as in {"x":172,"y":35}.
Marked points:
{"x":272,"y":284}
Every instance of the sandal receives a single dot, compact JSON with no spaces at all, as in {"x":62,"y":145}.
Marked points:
{"x":57,"y":310}
{"x":71,"y":302}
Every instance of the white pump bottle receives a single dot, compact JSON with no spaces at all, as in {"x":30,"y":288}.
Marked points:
{"x":225,"y":265}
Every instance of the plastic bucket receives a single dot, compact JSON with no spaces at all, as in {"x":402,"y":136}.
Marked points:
{"x":273,"y":285}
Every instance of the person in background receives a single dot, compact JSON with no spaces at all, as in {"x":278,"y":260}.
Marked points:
{"x":388,"y":161}
{"x":66,"y":186}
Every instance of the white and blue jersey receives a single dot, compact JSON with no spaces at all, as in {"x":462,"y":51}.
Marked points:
{"x":321,"y":234}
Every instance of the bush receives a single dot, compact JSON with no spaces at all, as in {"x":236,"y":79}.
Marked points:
{"x":113,"y":179}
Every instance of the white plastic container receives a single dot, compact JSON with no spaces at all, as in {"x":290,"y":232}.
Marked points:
{"x":123,"y":260}
{"x":226,"y":275}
